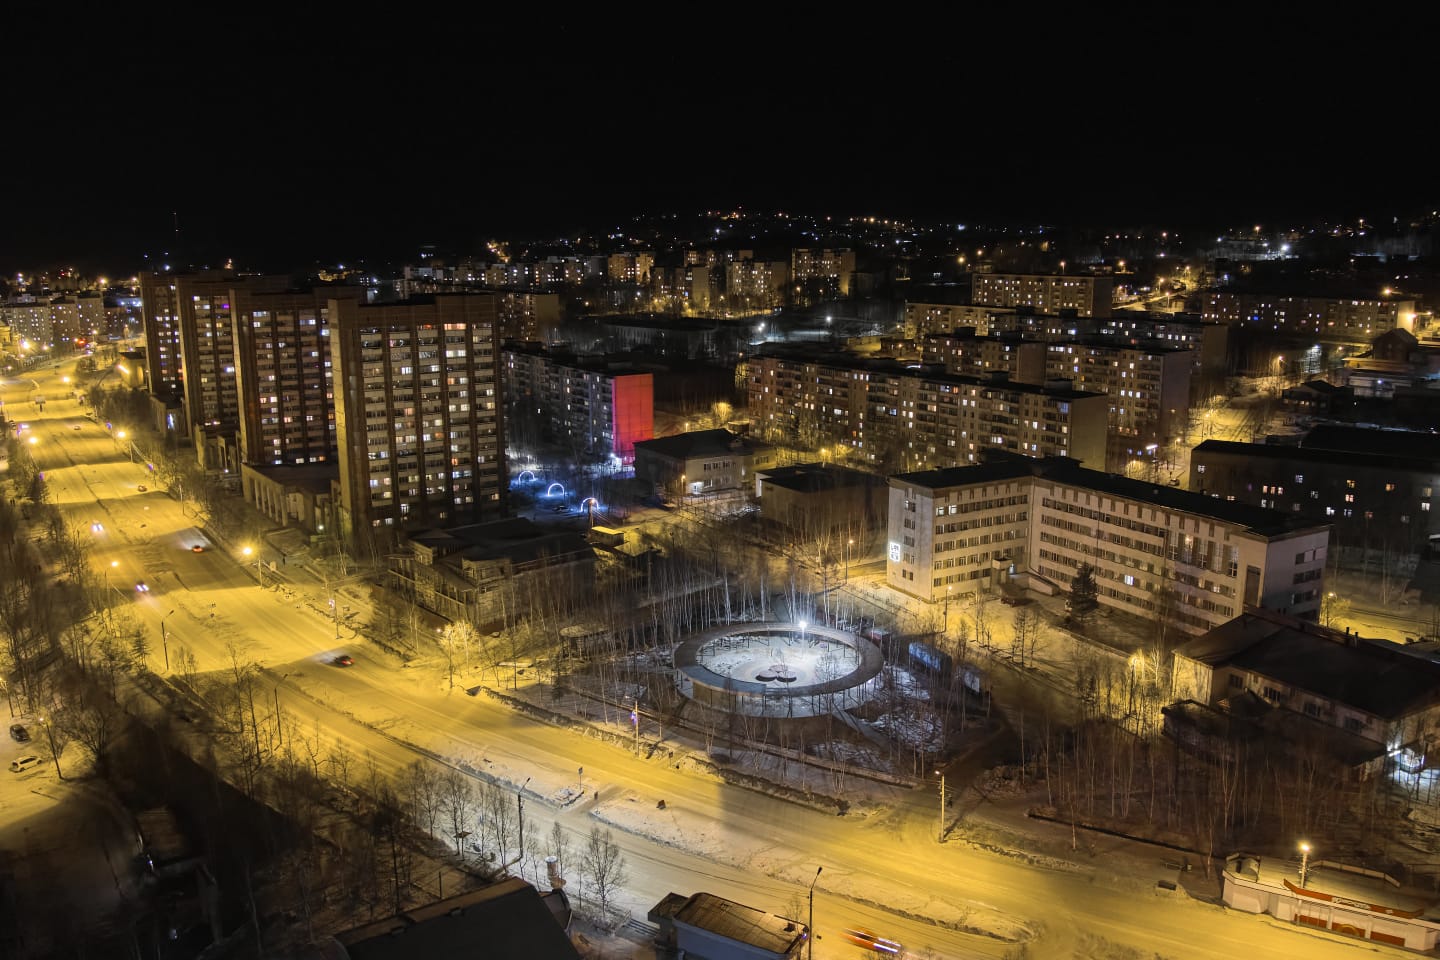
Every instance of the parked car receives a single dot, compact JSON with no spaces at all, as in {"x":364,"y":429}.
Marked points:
{"x":18,"y":733}
{"x":24,"y":763}
{"x":344,"y":660}
{"x":141,"y":487}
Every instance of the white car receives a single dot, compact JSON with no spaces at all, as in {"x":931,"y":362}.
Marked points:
{"x":24,"y":763}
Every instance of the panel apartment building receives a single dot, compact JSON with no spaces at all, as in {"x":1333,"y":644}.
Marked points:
{"x":1087,"y":296}
{"x":1378,"y":487}
{"x":1353,"y":320}
{"x":599,"y":407}
{"x":1148,"y":387}
{"x":965,"y":531}
{"x":835,"y":267}
{"x":417,"y":415}
{"x":890,"y":413}
{"x":284,"y":374}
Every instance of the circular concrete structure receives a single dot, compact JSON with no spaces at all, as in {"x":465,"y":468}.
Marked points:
{"x":777,"y":669}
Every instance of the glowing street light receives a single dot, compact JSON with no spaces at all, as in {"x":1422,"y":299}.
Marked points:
{"x":1304,"y":862}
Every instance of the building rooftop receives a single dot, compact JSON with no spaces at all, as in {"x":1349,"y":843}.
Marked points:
{"x":1262,"y":521}
{"x":515,"y":539}
{"x":733,"y":921}
{"x":1399,"y":460}
{"x":932,"y":372}
{"x":505,"y":919}
{"x":1414,"y":444}
{"x":1381,"y":678}
{"x":815,"y":477}
{"x":700,"y":443}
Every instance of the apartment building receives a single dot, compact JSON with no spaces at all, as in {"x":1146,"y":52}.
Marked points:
{"x":284,"y":374}
{"x":1377,"y":487}
{"x":160,"y":314}
{"x":76,"y":319}
{"x":684,"y":289}
{"x":630,"y":267}
{"x":1354,"y":320}
{"x":417,"y":416}
{"x":928,"y":319}
{"x":1158,"y":552}
{"x":756,"y":283}
{"x":597,"y":406}
{"x":836,"y":268}
{"x":890,"y":413}
{"x":31,"y":322}
{"x":1148,"y":389}
{"x":1087,"y":296}
{"x":963,"y":352}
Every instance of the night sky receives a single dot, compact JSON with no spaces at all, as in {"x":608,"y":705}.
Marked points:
{"x":282,"y":139}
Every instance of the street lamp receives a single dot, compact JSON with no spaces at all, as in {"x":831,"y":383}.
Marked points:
{"x":1304,"y":862}
{"x":810,"y":928}
{"x":941,"y":775}
{"x":54,"y":753}
{"x":848,"y":544}
{"x":165,"y":641}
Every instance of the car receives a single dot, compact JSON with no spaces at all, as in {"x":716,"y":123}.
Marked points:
{"x":18,"y":733}
{"x":141,"y":487}
{"x":198,"y":548}
{"x":142,"y":587}
{"x":344,"y":660}
{"x":74,"y":426}
{"x":870,"y":941}
{"x":24,"y":763}
{"x":97,"y":527}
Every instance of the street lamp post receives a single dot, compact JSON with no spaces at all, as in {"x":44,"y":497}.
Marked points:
{"x":848,"y":544}
{"x":810,"y":927}
{"x":948,"y":588}
{"x":941,"y":775}
{"x":165,"y":641}
{"x":1304,"y":863}
{"x":54,"y":753}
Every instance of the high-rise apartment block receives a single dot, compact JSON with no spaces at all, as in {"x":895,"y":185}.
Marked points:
{"x":1355,"y":320}
{"x":598,"y":407}
{"x":284,"y":374}
{"x":1087,"y":296}
{"x":893,"y":415}
{"x":1158,"y":553}
{"x":417,"y":413}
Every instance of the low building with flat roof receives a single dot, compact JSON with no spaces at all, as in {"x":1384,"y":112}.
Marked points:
{"x":707,"y":927}
{"x":701,"y":461}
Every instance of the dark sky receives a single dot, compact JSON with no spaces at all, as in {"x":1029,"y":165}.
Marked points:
{"x":281,"y":137}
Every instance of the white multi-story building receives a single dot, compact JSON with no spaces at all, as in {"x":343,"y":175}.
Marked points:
{"x":1156,"y":551}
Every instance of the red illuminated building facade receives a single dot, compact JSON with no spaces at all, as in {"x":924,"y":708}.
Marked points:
{"x":598,"y":406}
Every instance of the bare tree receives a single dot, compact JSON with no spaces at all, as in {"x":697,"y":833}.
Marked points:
{"x":604,"y":864}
